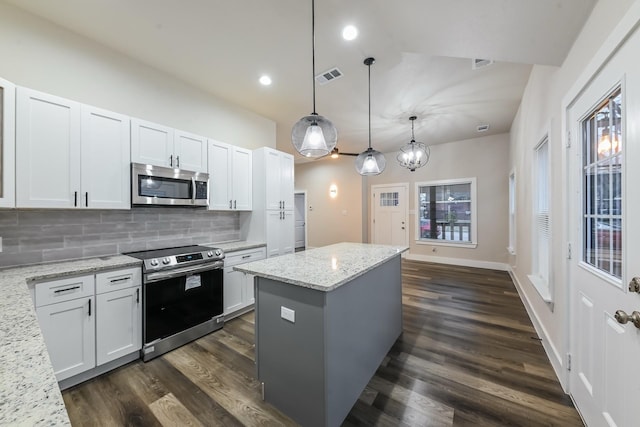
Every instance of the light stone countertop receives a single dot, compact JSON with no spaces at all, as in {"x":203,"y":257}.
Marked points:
{"x":29,"y":393}
{"x":323,"y":269}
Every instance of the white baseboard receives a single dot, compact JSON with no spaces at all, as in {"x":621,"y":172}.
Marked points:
{"x":459,"y":261}
{"x":556,"y":359}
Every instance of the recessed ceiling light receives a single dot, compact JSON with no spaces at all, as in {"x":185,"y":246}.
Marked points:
{"x":349,"y":32}
{"x":265,"y":80}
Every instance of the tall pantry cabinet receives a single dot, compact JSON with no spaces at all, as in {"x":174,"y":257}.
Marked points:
{"x":272,"y":220}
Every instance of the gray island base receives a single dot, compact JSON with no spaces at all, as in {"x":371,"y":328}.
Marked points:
{"x":325,"y":320}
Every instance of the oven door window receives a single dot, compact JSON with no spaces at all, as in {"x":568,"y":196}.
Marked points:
{"x":164,"y":188}
{"x":177,"y":304}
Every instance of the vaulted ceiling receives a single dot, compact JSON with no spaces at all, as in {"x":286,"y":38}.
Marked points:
{"x":423,"y":50}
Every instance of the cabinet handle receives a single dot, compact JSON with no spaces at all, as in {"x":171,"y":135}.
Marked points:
{"x":283,"y":204}
{"x":86,"y":199}
{"x":177,"y":161}
{"x":75,"y":198}
{"x":89,"y":307}
{"x":122,"y":279}
{"x":171,"y":160}
{"x":230,"y":204}
{"x":246,"y":256}
{"x":138,"y":295}
{"x":234,"y":204}
{"x":66,"y":289}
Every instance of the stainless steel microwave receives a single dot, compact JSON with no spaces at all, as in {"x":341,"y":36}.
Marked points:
{"x":156,"y":185}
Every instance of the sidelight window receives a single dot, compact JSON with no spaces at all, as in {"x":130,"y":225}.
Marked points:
{"x":447,"y":212}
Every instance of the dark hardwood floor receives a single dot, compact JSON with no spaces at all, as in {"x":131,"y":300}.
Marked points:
{"x":468,"y":356}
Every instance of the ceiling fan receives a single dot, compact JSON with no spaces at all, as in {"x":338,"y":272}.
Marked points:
{"x":335,"y":153}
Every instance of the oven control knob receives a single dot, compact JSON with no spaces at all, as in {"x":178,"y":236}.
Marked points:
{"x":209,"y":254}
{"x":166,"y":261}
{"x":153,"y":262}
{"x":218,"y":252}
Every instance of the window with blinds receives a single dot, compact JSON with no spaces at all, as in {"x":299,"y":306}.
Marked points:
{"x":540,"y":275}
{"x":542,"y":225}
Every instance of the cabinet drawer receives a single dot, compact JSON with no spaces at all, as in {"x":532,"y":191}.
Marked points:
{"x":63,"y":290}
{"x":241,"y":257}
{"x":118,"y":279}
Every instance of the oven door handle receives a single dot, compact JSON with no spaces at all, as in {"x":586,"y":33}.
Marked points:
{"x":162,"y":275}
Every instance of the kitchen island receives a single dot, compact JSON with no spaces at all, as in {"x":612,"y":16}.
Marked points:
{"x":325,"y":319}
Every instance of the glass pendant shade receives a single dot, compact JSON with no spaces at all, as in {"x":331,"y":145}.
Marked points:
{"x":370,"y":162}
{"x":414,"y":155}
{"x":314,"y":136}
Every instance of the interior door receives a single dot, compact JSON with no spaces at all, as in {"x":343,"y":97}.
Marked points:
{"x":300,"y":220}
{"x":390,"y":225}
{"x":603,"y":212}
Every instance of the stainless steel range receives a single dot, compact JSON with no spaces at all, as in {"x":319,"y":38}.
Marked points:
{"x":182,"y":296}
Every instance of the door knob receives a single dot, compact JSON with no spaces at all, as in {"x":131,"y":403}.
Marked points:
{"x":623,"y":318}
{"x":634,"y":285}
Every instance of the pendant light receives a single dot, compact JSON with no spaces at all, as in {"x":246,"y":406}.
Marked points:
{"x":314,"y":136}
{"x":414,"y":155}
{"x":370,"y":161}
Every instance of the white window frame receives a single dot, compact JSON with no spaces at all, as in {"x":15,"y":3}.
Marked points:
{"x":512,"y":213}
{"x":541,"y":264}
{"x":474,"y":214}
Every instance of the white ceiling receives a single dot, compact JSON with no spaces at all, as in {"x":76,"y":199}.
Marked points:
{"x":423,"y":51}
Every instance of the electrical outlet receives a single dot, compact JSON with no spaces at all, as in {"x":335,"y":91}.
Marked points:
{"x":288,"y":314}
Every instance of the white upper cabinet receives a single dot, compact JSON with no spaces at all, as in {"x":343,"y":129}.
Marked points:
{"x":7,"y":144}
{"x":279,"y":179}
{"x":159,"y":145}
{"x":273,"y":187}
{"x":70,"y":155}
{"x":242,"y":179}
{"x":47,"y":151}
{"x":151,"y":144}
{"x":190,"y":151}
{"x":106,"y":160}
{"x":230,"y":177}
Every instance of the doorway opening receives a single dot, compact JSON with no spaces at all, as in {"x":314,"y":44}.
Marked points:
{"x":300,"y":208}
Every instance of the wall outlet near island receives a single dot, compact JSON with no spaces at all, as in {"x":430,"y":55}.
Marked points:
{"x":288,"y":314}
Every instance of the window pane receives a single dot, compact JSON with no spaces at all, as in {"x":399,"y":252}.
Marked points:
{"x":445,"y":212}
{"x":602,"y":187}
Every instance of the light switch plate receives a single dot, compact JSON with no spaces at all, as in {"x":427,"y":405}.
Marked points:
{"x":288,"y":314}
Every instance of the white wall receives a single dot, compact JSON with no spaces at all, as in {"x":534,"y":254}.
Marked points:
{"x":541,"y":112}
{"x":486,"y":159}
{"x":40,"y":55}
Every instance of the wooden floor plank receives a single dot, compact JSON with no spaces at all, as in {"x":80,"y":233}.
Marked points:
{"x":468,"y":355}
{"x":171,"y":413}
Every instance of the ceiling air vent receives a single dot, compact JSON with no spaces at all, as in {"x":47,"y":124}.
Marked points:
{"x":477,"y":63}
{"x":483,"y":128}
{"x":329,"y":75}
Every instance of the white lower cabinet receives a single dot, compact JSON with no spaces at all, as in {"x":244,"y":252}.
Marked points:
{"x":66,"y":313}
{"x":118,"y":322}
{"x":89,"y":321}
{"x":238,"y":286}
{"x":280,"y":233}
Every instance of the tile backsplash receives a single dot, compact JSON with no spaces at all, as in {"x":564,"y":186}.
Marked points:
{"x":36,"y":236}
